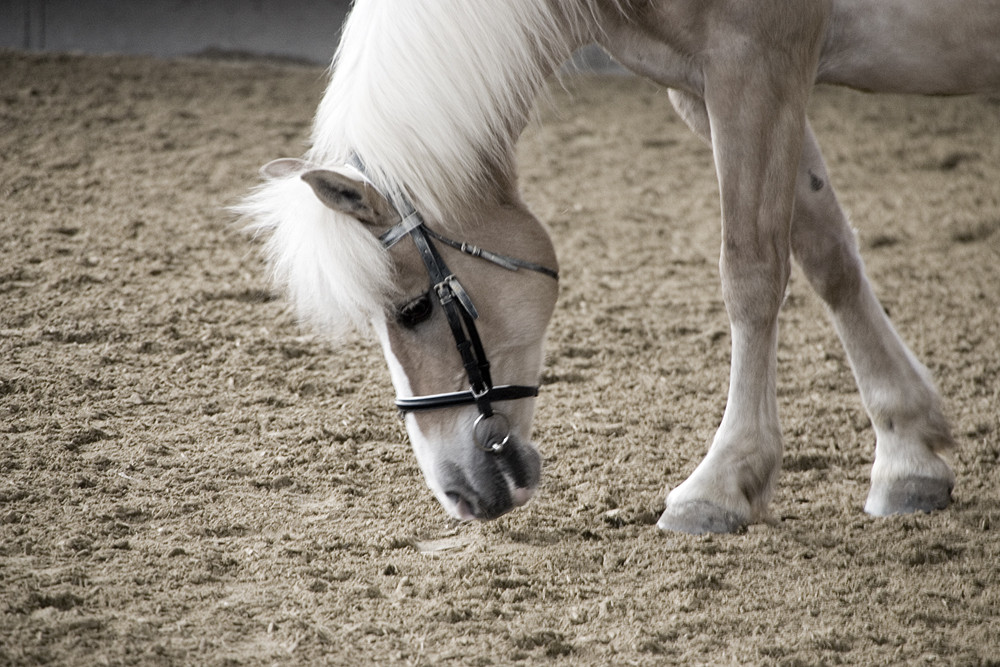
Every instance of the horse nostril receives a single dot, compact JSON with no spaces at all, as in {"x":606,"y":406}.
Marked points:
{"x":521,"y":496}
{"x":464,"y":509}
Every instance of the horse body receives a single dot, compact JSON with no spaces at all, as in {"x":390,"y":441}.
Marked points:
{"x":430,"y":97}
{"x":930,"y":47}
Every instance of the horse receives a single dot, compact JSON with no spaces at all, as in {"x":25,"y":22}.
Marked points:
{"x":403,"y":220}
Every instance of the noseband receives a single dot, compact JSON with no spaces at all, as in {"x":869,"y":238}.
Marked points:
{"x":491,"y":429}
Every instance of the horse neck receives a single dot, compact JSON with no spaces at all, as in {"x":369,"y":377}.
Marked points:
{"x":432,"y":95}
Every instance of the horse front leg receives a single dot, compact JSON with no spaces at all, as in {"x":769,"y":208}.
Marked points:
{"x":756,"y":117}
{"x":912,"y":433}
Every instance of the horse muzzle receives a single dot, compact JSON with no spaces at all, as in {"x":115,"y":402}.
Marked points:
{"x":491,"y":483}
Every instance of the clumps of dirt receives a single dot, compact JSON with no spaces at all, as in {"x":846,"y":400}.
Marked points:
{"x":188,"y":477}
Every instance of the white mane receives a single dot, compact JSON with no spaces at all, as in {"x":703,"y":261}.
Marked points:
{"x":333,"y":269}
{"x":431,"y":95}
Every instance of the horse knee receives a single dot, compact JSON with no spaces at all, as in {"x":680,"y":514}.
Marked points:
{"x":753,"y":283}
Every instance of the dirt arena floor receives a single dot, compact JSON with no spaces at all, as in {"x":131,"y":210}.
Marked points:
{"x":187,"y":477}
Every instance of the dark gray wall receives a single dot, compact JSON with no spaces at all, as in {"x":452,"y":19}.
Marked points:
{"x":298,"y":29}
{"x":301,"y":29}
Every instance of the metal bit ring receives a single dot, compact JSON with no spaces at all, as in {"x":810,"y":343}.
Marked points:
{"x":485,"y":432}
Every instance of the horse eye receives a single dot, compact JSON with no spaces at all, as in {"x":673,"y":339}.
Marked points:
{"x":416,"y":311}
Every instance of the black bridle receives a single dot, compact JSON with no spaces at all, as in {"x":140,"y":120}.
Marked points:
{"x":491,"y":429}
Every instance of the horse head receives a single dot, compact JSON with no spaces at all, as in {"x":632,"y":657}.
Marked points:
{"x":448,"y":323}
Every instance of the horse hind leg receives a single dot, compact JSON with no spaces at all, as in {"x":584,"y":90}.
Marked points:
{"x":909,"y":474}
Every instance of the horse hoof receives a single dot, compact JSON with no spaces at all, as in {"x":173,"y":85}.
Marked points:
{"x":698,"y":517}
{"x":909,"y":495}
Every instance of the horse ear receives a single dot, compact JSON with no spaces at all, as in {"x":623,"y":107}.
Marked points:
{"x":352,"y":197}
{"x":283,"y":167}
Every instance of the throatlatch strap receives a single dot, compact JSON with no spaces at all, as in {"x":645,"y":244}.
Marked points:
{"x":506,"y":261}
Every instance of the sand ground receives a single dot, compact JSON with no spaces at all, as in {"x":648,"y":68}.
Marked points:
{"x":187,"y":477}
